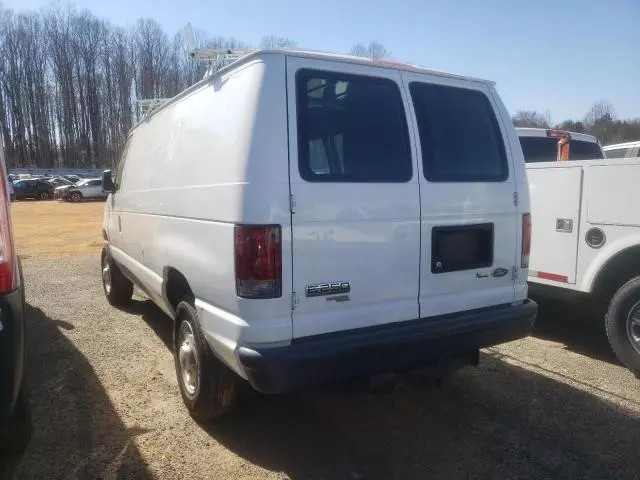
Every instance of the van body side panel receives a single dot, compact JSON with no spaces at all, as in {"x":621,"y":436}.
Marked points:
{"x":195,"y":169}
{"x":364,"y":235}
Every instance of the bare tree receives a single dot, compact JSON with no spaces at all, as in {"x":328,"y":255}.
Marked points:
{"x":600,"y":121}
{"x":531,"y":118}
{"x":272,"y":41}
{"x":373,"y":50}
{"x":601,"y":110}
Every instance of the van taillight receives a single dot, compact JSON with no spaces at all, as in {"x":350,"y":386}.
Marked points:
{"x":526,"y":240}
{"x":258,"y":261}
{"x":7,"y":254}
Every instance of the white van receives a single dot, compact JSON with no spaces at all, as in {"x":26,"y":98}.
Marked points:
{"x":551,"y":145}
{"x":308,"y":217}
{"x":623,"y":150}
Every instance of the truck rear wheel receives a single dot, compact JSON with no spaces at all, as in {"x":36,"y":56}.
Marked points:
{"x":208,"y":387}
{"x":623,"y":324}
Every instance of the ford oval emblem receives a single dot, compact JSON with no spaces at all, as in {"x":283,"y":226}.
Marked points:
{"x":499,"y":272}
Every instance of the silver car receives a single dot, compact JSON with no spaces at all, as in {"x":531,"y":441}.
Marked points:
{"x":88,"y":188}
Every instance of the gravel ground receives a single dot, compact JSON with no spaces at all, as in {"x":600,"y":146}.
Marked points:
{"x":106,"y":405}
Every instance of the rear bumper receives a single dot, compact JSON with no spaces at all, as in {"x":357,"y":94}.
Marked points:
{"x":12,"y":346}
{"x":323,"y":358}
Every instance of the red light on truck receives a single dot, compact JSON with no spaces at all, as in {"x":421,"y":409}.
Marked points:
{"x":558,"y":134}
{"x":258,"y":251}
{"x":526,"y":240}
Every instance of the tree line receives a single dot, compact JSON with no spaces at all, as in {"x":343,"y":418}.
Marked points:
{"x":69,"y":82}
{"x":600,"y":121}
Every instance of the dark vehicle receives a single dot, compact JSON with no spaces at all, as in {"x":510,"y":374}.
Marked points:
{"x":33,"y":188}
{"x":15,"y":423}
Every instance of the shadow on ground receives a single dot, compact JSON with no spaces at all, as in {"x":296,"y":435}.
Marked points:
{"x":498,"y":421}
{"x":76,"y":431}
{"x":579,"y":325}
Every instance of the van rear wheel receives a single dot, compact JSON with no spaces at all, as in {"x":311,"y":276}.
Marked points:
{"x":117,"y":288}
{"x":623,"y":325}
{"x":208,"y":387}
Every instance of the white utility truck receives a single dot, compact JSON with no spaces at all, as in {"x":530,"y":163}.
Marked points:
{"x":586,"y":240}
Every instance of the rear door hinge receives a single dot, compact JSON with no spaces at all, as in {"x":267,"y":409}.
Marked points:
{"x":516,"y":199}
{"x":514,"y":273}
{"x":292,"y":203}
{"x":294,"y":300}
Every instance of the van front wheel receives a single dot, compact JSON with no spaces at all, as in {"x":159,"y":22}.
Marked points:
{"x":208,"y":387}
{"x":623,"y":325}
{"x":117,"y":288}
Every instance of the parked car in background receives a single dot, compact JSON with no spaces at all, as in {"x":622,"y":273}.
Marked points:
{"x":549,"y":145}
{"x":91,"y":188}
{"x":366,"y":217}
{"x":15,"y":424}
{"x":623,"y":150}
{"x":33,"y":188}
{"x":59,"y":181}
{"x":72,"y":178}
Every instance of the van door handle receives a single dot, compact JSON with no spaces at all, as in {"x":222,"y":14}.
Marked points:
{"x":119,"y":225}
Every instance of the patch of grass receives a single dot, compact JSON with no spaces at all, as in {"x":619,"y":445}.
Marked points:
{"x":54,"y":229}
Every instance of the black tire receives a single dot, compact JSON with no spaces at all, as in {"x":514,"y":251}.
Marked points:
{"x":75,"y":196}
{"x":43,"y":195}
{"x":617,"y":324}
{"x":215,"y":392}
{"x":16,"y":432}
{"x":117,"y":288}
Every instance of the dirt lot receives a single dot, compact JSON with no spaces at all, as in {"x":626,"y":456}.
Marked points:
{"x":106,"y":403}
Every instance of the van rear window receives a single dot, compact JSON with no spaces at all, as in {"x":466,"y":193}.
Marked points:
{"x":351,"y":128}
{"x":459,"y":135}
{"x":545,"y":149}
{"x":579,"y":150}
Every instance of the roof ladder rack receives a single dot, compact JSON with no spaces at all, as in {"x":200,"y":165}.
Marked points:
{"x":216,"y":57}
{"x":148,"y":105}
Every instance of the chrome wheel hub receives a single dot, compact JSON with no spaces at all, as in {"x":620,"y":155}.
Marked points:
{"x":188,"y":357}
{"x":106,"y":276}
{"x":633,"y":326}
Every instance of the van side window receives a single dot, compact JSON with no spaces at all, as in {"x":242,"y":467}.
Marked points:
{"x":351,"y":128}
{"x":459,"y":135}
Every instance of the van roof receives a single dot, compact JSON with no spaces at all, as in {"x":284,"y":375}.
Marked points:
{"x":622,"y":145}
{"x":383,"y":63}
{"x":542,"y":132}
{"x":335,"y":57}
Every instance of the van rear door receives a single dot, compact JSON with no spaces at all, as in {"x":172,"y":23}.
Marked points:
{"x":354,"y":185}
{"x":470,"y":221}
